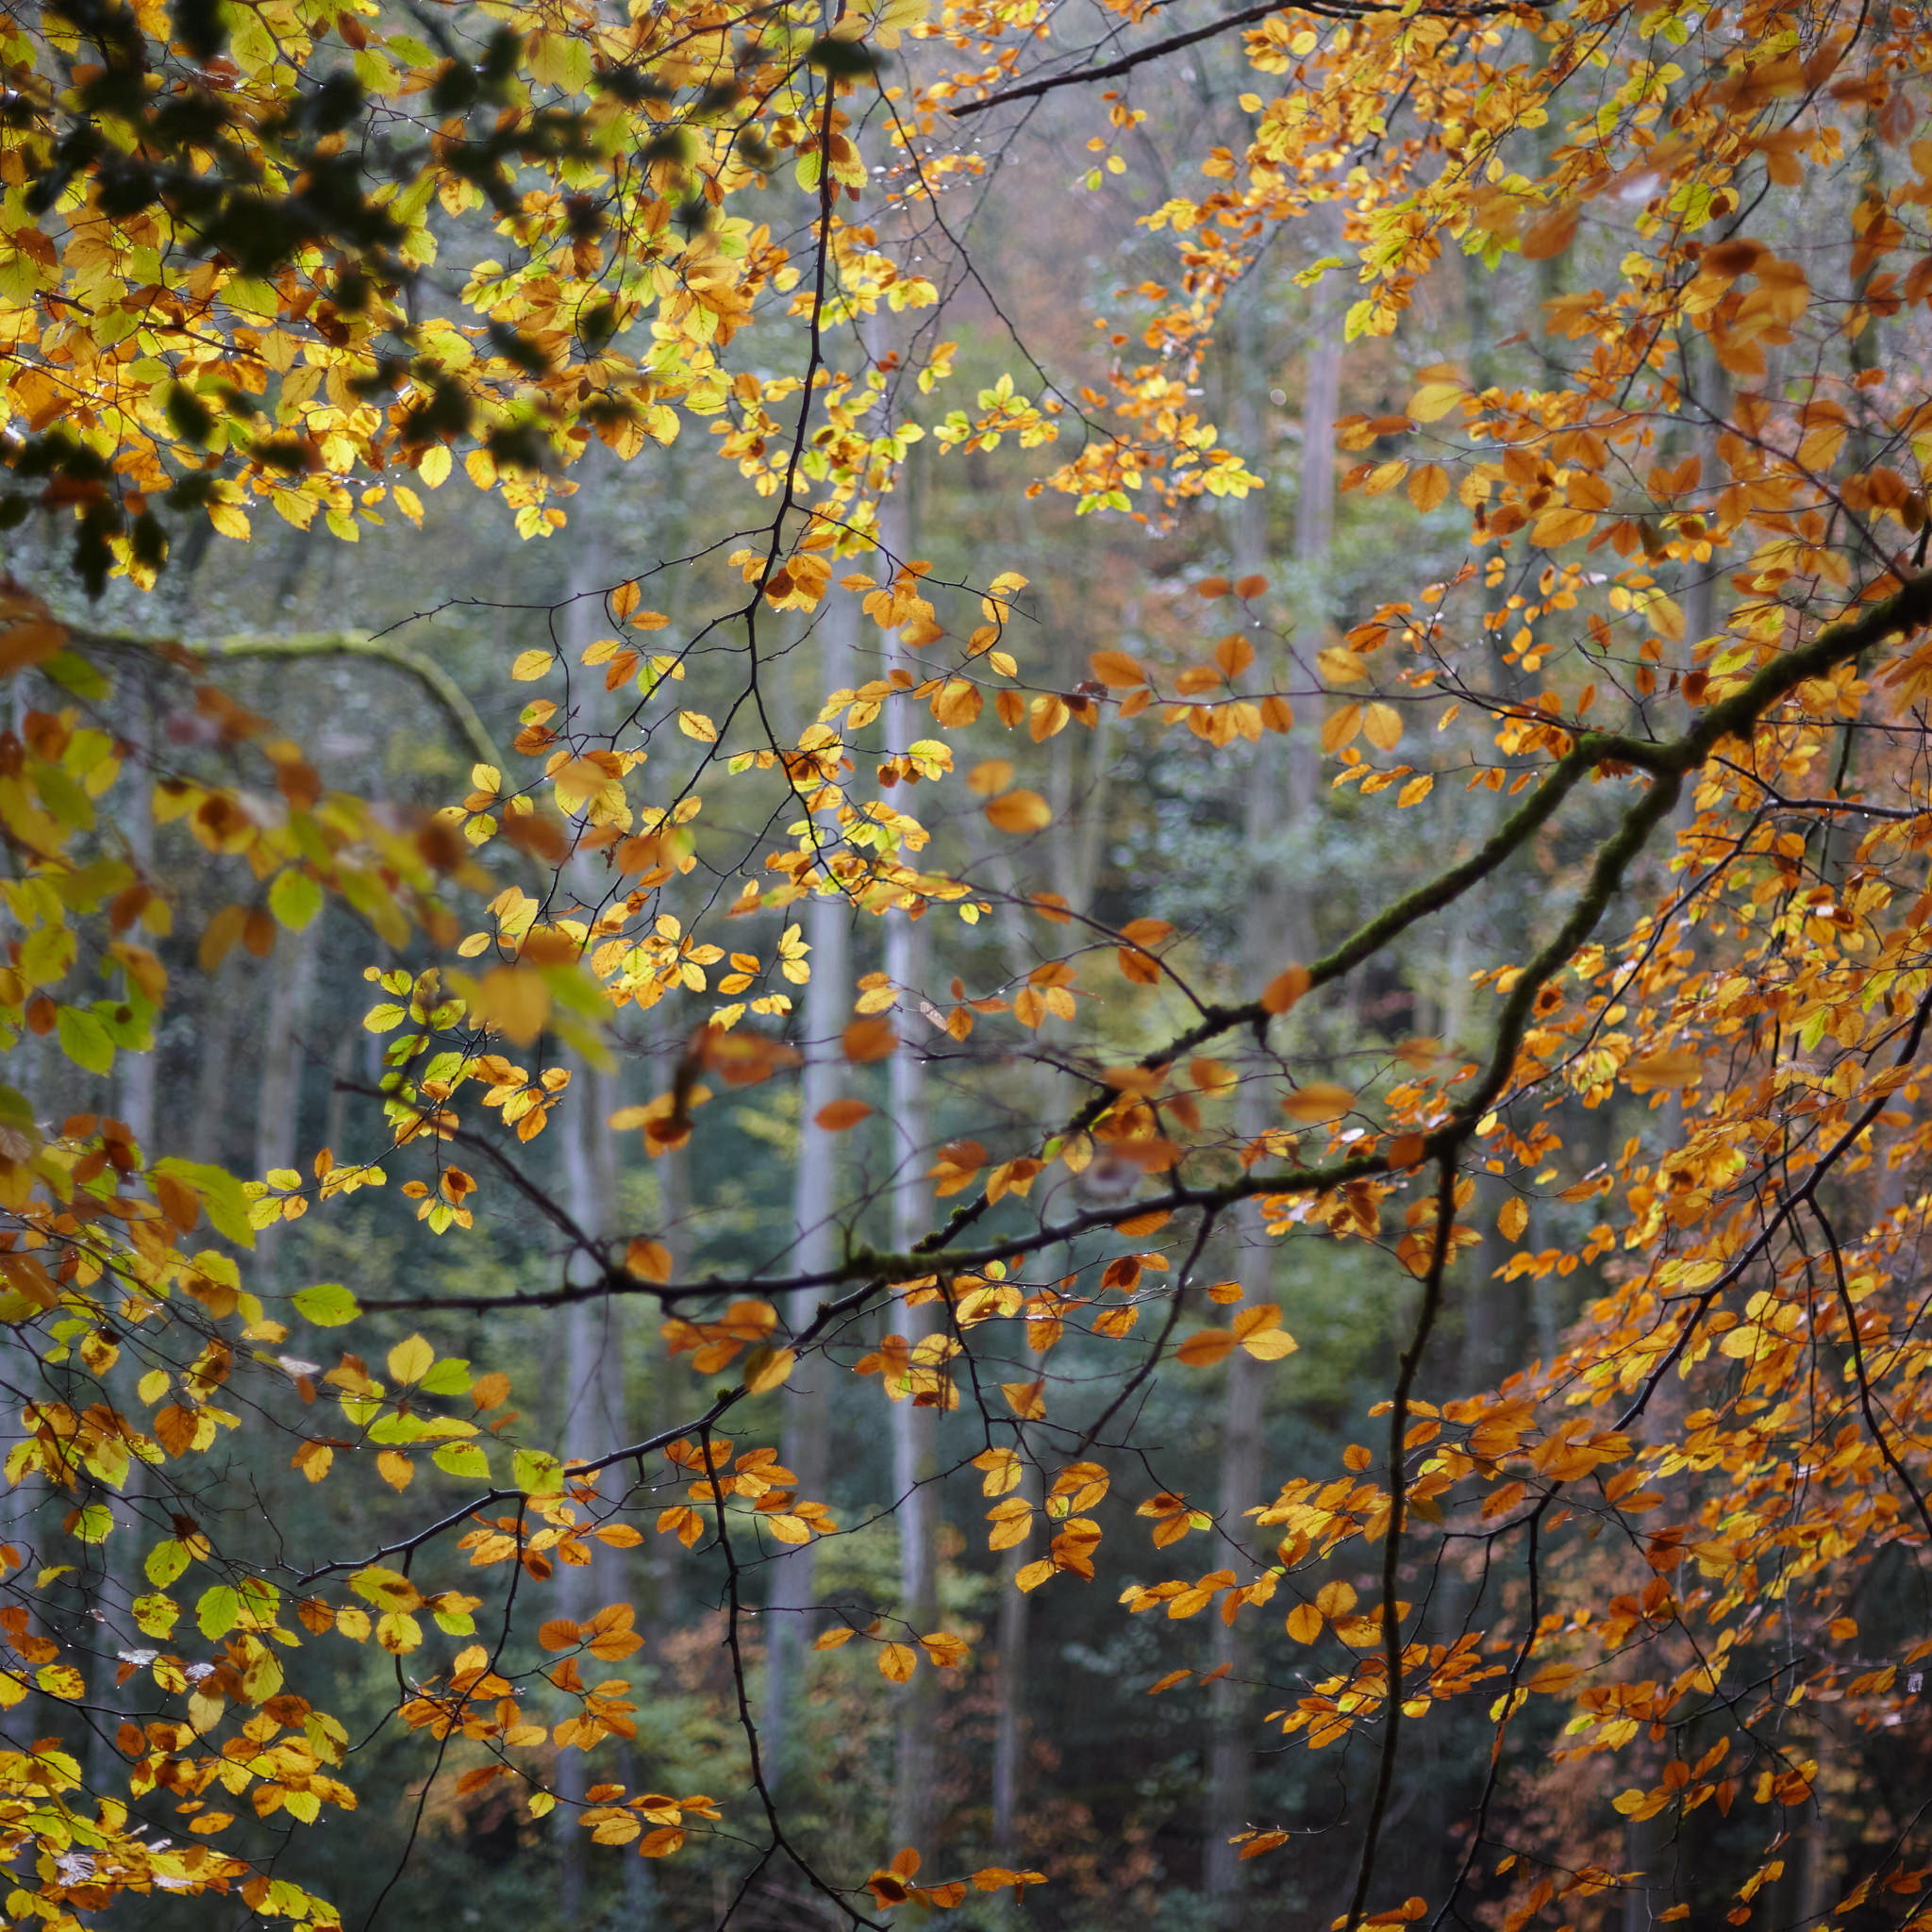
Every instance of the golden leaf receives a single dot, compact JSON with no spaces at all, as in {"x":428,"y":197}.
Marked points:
{"x":1319,"y":1101}
{"x":410,"y":1360}
{"x":766,"y":1369}
{"x":1020,"y":811}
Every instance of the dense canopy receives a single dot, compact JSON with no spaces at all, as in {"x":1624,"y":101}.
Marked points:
{"x":1146,"y":841}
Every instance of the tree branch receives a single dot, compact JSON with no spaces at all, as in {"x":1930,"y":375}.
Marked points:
{"x":303,"y":645}
{"x":1156,"y":50}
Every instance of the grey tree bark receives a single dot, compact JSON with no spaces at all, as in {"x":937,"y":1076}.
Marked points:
{"x":277,"y":1120}
{"x":828,"y":1005}
{"x":593,"y":1415}
{"x":915,"y":1445}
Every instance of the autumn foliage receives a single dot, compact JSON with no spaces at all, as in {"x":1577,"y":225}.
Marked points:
{"x":318,"y":259}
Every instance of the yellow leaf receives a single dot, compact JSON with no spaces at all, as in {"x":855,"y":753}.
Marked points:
{"x":1339,"y":665}
{"x":1305,"y":1623}
{"x":531,"y":665}
{"x":1033,"y":1575}
{"x":1416,"y":789}
{"x":695,"y":724}
{"x":410,"y":1360}
{"x":1335,"y":1599}
{"x":396,"y":1470}
{"x":833,"y":1640}
{"x":1259,"y":1331}
{"x":896,"y":1661}
{"x":513,"y":999}
{"x":1513,"y":1219}
{"x":1383,"y":726}
{"x":1434,"y":400}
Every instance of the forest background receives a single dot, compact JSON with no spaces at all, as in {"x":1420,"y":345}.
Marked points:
{"x":908,"y":1679}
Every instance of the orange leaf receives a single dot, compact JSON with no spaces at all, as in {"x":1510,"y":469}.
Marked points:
{"x":836,"y":1115}
{"x":1551,"y":235}
{"x":1678,"y":1067}
{"x":868,"y":1039}
{"x":1320,"y":1100}
{"x":1428,"y":488}
{"x":1020,"y":811}
{"x":1285,"y":989}
{"x":1205,"y":1348}
{"x":766,"y":1369}
{"x":647,"y":1260}
{"x":1117,"y":670}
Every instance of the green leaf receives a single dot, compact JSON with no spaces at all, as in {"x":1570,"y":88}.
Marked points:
{"x":156,"y":1613}
{"x":47,"y":954}
{"x":84,"y":1041}
{"x":263,"y":1600}
{"x":462,"y":1459}
{"x":221,"y":1196}
{"x":294,"y":899}
{"x":453,"y":1623}
{"x":91,"y":1522}
{"x":218,"y":1610}
{"x":73,"y":673}
{"x":327,"y":1304}
{"x":537,"y":1473}
{"x":393,"y":1429}
{"x":387,"y":1589}
{"x":166,"y":1561}
{"x":450,"y":1377}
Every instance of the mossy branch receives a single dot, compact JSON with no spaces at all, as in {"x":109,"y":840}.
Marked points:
{"x":307,"y":646}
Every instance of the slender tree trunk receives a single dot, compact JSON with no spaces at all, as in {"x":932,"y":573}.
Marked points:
{"x":915,"y":1448}
{"x":1009,"y":1721}
{"x":827,"y":1007}
{"x":223,"y":999}
{"x":593,"y":1419}
{"x":1276,"y":930}
{"x":277,"y":1121}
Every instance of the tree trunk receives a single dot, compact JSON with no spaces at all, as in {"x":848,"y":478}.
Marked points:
{"x":215,"y":1039}
{"x":1009,"y":1721}
{"x":277,"y":1121}
{"x":915,"y":1449}
{"x":593,"y":1416}
{"x":827,"y":1007}
{"x":1276,"y":930}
